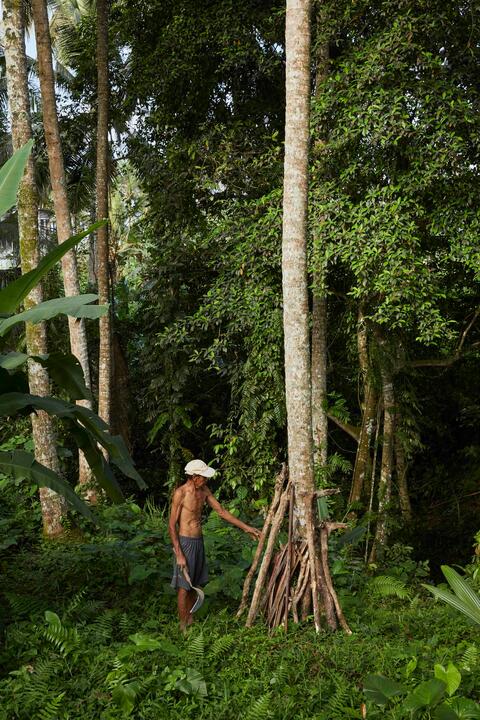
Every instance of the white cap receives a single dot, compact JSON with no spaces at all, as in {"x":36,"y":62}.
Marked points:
{"x":198,"y":467}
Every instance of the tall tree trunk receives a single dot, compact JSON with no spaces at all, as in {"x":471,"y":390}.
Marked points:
{"x":362,"y":467}
{"x":105,"y":350}
{"x":78,"y":336}
{"x":53,"y":505}
{"x":388,"y":441}
{"x":319,"y":378}
{"x":401,"y":470}
{"x":319,"y":319}
{"x":121,"y":399}
{"x":294,"y":274}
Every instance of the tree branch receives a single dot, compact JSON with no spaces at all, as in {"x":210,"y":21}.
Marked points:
{"x":351,"y":430}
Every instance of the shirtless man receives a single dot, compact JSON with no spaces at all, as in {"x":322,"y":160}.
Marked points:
{"x":187,"y":541}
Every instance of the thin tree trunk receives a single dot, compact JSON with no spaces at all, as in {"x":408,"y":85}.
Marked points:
{"x":105,"y":349}
{"x":373,"y":475}
{"x":53,"y":505}
{"x":120,"y":420}
{"x":362,"y":467}
{"x":401,"y":468}
{"x":319,"y":321}
{"x":78,"y":337}
{"x":386,"y":470}
{"x":319,"y":377}
{"x":294,"y":272}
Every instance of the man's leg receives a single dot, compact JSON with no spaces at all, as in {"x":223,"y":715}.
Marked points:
{"x":183,"y":607}
{"x":192,"y":596}
{"x":186,"y":601}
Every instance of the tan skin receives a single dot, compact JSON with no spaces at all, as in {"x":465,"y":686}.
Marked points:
{"x":186,"y":513}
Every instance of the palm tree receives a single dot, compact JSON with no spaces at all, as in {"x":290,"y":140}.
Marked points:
{"x":105,"y":349}
{"x":78,"y":337}
{"x":53,"y":506}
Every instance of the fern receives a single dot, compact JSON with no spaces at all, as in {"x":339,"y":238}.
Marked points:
{"x":280,"y":676}
{"x":125,"y":624}
{"x":117,"y":676}
{"x":337,"y":704}
{"x":64,"y":639}
{"x":75,"y":601}
{"x":221,"y":646}
{"x":52,"y":708}
{"x":25,"y":604}
{"x":470,"y":658}
{"x":196,"y":650}
{"x":261,"y":709}
{"x":103,"y":625}
{"x":386,"y":586}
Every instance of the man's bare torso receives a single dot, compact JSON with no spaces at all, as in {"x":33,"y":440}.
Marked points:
{"x":190,"y":520}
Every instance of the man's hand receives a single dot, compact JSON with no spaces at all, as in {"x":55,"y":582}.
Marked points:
{"x":253,"y":532}
{"x":181,"y":561}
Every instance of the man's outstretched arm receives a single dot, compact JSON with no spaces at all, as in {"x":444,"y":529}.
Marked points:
{"x":225,"y":515}
{"x":172,"y":527}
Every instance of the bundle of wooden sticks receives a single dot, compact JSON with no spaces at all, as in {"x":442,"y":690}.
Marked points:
{"x":284,"y":583}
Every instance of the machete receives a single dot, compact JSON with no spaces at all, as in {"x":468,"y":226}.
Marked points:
{"x":200,"y":594}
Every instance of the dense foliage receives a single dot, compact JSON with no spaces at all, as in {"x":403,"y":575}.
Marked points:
{"x":89,"y":631}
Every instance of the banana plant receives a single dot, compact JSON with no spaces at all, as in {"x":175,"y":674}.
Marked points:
{"x":90,"y":432}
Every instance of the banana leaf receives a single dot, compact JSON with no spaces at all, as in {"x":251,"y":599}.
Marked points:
{"x":75,"y":305}
{"x":21,"y":465}
{"x":13,"y":295}
{"x":11,"y":174}
{"x":84,"y":420}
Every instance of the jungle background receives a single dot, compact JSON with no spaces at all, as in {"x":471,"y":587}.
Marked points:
{"x":196,"y":118}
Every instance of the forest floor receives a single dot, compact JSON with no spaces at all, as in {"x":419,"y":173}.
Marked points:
{"x":90,"y":632}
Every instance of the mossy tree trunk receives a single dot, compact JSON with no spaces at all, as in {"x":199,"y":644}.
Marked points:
{"x":53,"y":505}
{"x":362,"y":467}
{"x":78,"y":336}
{"x":102,"y":179}
{"x":319,"y":312}
{"x":388,"y":443}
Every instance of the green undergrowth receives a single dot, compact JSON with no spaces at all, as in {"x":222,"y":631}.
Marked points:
{"x":89,"y":632}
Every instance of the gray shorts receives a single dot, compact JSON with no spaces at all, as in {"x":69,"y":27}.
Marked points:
{"x":192,"y":548}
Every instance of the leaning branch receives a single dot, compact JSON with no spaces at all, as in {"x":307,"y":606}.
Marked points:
{"x":351,"y":430}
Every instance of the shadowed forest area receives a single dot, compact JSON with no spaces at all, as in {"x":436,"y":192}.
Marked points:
{"x":247,"y":233}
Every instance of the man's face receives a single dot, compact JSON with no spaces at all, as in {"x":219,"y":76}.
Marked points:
{"x":199,"y":481}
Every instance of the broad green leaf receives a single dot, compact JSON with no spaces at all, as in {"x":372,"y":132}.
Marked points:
{"x":114,"y":444}
{"x":463,"y":708}
{"x":445,"y":712}
{"x":411,"y":665}
{"x":124,"y":696}
{"x":455,"y":602}
{"x":11,"y":174}
{"x":96,"y":461}
{"x":379,"y":689}
{"x":192,"y":684}
{"x":144,"y":642}
{"x":15,"y":292}
{"x":66,"y":371}
{"x":12,"y":360}
{"x":20,"y":464}
{"x":75,"y":305}
{"x":140,"y":572}
{"x":88,"y":430}
{"x":427,"y":694}
{"x":461,"y":588}
{"x":52,"y":618}
{"x":450,"y":676}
